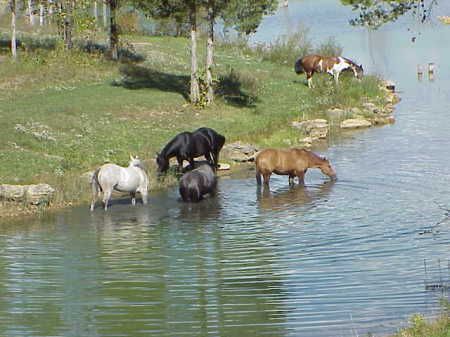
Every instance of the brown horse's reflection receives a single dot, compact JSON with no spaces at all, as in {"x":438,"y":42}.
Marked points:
{"x":292,"y":196}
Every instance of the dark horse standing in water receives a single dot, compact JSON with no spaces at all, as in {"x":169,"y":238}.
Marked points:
{"x":310,"y":64}
{"x":292,"y":162}
{"x":189,"y":145}
{"x":198,"y":182}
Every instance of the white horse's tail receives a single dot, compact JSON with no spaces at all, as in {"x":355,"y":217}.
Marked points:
{"x":94,"y":181}
{"x":96,"y":188}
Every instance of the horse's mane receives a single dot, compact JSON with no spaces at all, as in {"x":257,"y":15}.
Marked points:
{"x":354,"y":64}
{"x":313,"y":155}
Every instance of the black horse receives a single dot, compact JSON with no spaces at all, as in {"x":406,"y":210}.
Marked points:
{"x":198,"y":182}
{"x":189,"y":145}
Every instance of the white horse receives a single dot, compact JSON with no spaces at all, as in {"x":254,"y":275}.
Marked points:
{"x":109,"y":177}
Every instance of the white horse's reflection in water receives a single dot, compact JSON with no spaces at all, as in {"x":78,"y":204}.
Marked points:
{"x":292,"y":196}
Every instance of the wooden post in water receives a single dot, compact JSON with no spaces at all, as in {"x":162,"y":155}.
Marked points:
{"x":419,"y":72}
{"x":431,"y":67}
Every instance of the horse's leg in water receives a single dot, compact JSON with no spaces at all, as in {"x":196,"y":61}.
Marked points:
{"x":133,"y":198}
{"x":106,"y":197}
{"x":301,"y":176}
{"x":144,"y":195}
{"x":291,"y":180}
{"x":266,"y":177}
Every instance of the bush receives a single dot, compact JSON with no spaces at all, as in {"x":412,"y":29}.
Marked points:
{"x":285,"y":50}
{"x":329,"y":48}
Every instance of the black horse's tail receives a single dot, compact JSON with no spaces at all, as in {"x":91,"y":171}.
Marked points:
{"x":190,"y":193}
{"x":298,"y":66}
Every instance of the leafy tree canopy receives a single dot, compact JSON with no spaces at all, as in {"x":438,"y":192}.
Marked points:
{"x":245,"y":16}
{"x":375,"y":13}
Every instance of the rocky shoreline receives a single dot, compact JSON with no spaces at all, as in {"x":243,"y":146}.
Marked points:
{"x":23,"y":200}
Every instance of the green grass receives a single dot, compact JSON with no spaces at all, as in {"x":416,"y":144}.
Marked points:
{"x":420,"y":327}
{"x":64,"y":113}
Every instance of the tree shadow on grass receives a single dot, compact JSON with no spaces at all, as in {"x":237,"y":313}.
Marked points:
{"x":237,"y":90}
{"x":48,"y":43}
{"x":228,"y":87}
{"x":138,"y":77}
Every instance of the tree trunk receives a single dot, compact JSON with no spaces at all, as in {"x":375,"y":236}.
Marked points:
{"x":105,"y":13}
{"x":95,"y":10}
{"x":68,"y":22}
{"x":210,"y":54}
{"x":195,"y":91}
{"x":41,"y":14}
{"x":31,"y":12}
{"x":113,"y":31}
{"x":13,"y":29}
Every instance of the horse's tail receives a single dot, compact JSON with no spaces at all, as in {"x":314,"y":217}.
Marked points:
{"x":298,"y":66}
{"x":95,"y":183}
{"x":190,"y":193}
{"x":96,"y":187}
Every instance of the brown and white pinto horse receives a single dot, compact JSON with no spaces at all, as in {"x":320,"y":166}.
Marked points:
{"x":310,"y":64}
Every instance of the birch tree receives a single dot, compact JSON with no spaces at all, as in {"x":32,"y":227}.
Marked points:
{"x":13,"y":28}
{"x":178,"y":9}
{"x":243,"y":15}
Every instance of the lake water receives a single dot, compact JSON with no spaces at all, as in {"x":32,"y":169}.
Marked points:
{"x":330,"y":259}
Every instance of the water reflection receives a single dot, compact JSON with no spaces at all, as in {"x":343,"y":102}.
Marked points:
{"x":292,"y":196}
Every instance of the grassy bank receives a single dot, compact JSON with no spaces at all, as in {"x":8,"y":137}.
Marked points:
{"x":420,"y":327}
{"x":65,"y":113}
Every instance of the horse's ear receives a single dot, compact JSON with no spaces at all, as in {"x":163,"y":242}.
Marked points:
{"x":131,"y":157}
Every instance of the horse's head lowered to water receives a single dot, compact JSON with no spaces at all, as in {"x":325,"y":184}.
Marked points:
{"x":162,"y":162}
{"x":310,"y":64}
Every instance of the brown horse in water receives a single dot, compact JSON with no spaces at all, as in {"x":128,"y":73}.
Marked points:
{"x":292,"y":162}
{"x":310,"y":64}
